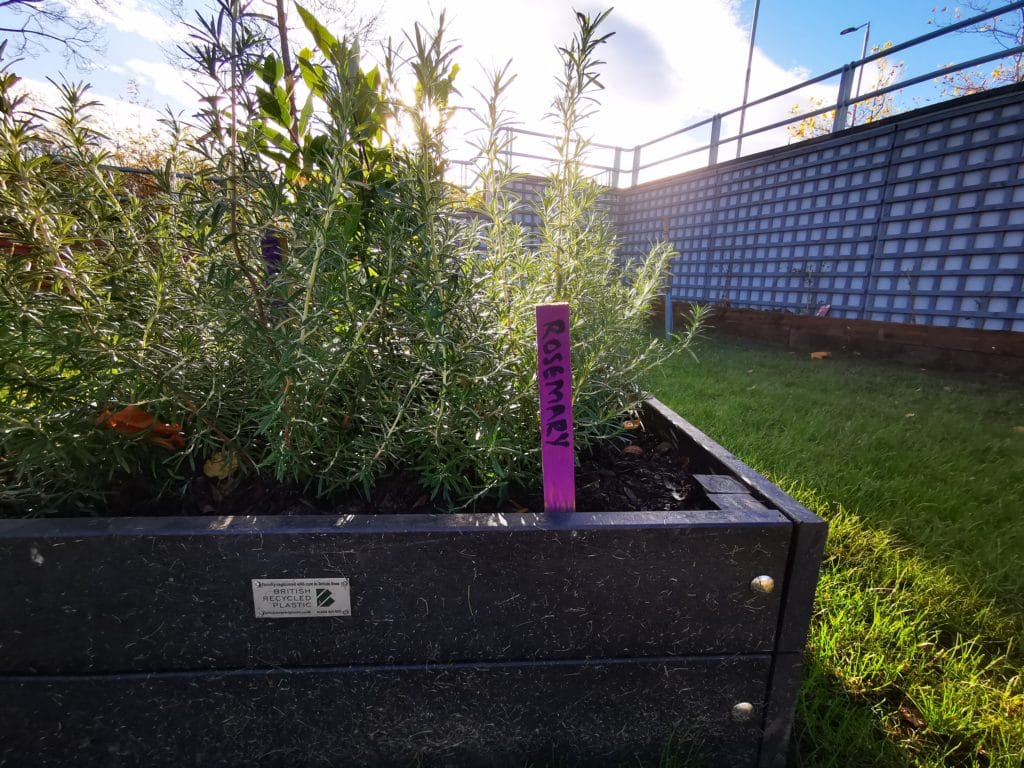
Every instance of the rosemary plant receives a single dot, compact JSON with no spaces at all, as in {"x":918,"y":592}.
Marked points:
{"x":311,"y":302}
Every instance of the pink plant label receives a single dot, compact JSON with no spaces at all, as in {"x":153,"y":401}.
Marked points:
{"x":554,"y":381}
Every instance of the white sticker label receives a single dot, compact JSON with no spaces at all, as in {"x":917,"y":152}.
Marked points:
{"x":298,"y":598}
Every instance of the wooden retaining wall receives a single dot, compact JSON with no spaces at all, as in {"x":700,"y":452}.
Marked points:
{"x":958,"y":349}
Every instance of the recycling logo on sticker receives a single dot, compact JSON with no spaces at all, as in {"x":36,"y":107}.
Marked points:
{"x":300,"y":598}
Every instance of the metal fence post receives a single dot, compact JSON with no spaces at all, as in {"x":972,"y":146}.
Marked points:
{"x":716,"y":133}
{"x":843,"y":103}
{"x":617,"y":164}
{"x":636,"y":165}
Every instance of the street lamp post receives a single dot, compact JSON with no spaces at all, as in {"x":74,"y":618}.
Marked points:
{"x":746,"y":83}
{"x":866,"y":26}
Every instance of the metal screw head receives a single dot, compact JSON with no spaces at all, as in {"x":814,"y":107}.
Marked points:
{"x":762,"y":584}
{"x":742,"y":712}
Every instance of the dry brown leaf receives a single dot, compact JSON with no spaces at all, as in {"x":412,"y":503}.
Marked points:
{"x":911,"y":714}
{"x":632,"y":424}
{"x":820,"y":355}
{"x":1018,"y":429}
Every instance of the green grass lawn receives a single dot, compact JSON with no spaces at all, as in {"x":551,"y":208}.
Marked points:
{"x":915,"y":654}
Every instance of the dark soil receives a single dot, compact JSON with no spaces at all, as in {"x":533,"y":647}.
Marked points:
{"x":633,"y":472}
{"x":611,"y":478}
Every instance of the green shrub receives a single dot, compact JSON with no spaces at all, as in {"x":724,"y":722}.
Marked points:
{"x":313,"y":302}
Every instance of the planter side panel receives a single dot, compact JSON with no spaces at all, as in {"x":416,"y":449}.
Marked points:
{"x":587,"y":714}
{"x":809,"y":530}
{"x":149,"y":602}
{"x":783,"y":691}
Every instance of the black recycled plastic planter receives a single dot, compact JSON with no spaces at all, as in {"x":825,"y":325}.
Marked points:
{"x":455,"y":640}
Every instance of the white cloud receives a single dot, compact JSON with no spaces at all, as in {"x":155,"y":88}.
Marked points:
{"x":166,"y":80}
{"x":668,"y":66}
{"x":132,"y":16}
{"x":115,"y":118}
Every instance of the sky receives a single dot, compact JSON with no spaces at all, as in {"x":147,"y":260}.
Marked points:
{"x":668,"y":65}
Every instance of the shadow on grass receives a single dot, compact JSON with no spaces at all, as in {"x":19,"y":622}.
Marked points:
{"x":835,"y":729}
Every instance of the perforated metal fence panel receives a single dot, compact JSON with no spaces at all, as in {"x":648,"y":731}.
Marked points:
{"x":918,"y":219}
{"x":529,"y":192}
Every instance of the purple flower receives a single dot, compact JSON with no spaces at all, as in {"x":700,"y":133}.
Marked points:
{"x":271,"y":250}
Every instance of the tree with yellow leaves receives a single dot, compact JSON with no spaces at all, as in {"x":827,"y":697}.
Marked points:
{"x":861,"y":112}
{"x":1007,"y":31}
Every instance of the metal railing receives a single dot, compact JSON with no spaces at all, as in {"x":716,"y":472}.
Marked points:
{"x":614,"y":171}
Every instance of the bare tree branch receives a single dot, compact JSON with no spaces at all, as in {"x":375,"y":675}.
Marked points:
{"x":42,"y":25}
{"x":1006,"y":31}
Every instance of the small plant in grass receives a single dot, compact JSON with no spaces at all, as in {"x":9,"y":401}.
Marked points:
{"x":310,"y":303}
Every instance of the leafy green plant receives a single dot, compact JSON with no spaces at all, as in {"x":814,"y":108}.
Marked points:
{"x":312,"y":302}
{"x":88,"y":272}
{"x":574,"y":261}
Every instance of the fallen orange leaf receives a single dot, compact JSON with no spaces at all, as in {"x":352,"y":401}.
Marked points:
{"x":173,"y":443}
{"x":820,"y":355}
{"x":632,"y":424}
{"x":131,"y":420}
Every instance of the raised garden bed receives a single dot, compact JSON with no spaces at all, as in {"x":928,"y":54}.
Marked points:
{"x":466,"y":639}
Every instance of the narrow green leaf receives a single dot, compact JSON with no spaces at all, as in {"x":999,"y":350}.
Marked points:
{"x":272,"y":107}
{"x":272,"y":70}
{"x":327,"y":42}
{"x":305,"y":115}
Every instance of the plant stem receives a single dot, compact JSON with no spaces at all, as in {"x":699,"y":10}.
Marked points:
{"x":289,"y":75}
